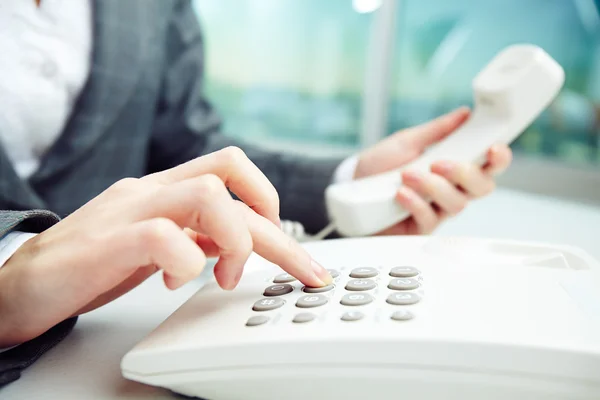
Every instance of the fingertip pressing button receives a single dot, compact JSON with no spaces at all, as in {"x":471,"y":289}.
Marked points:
{"x":278,"y":290}
{"x":257,"y":320}
{"x":268,"y":304}
{"x":309,"y":289}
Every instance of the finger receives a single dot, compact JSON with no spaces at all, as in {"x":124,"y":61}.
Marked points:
{"x":423,"y":214}
{"x":204,"y":205}
{"x":426,"y":134}
{"x":436,"y":189}
{"x":155,"y":242}
{"x":237,"y":172}
{"x":469,"y":177}
{"x":208,"y":246}
{"x":499,"y":158}
{"x":275,"y":246}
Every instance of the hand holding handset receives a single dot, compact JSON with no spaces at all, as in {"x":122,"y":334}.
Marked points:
{"x":509,"y":94}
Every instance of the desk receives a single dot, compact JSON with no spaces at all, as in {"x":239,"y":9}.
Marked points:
{"x":86,"y":364}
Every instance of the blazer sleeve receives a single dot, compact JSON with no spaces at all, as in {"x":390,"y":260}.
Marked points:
{"x":17,"y":359}
{"x":187,"y":126}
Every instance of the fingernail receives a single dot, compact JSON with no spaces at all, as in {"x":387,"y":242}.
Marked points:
{"x":444,"y":167}
{"x":322,"y":274}
{"x":405,"y":194}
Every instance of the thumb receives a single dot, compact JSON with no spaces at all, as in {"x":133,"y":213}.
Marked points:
{"x":426,"y":134}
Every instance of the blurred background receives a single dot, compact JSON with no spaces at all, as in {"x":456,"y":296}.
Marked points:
{"x":322,"y":77}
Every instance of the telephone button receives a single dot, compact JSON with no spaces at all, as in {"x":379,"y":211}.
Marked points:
{"x":334,"y":273}
{"x":404,"y":272}
{"x":278,"y":290}
{"x":402,"y":315}
{"x":311,"y":301}
{"x":356,"y":299}
{"x":403,"y":298}
{"x":352,"y":316}
{"x":363,"y":272}
{"x":361,"y":284}
{"x":304,"y":317}
{"x":268,"y":304}
{"x":403,"y":284}
{"x":257,"y":320}
{"x":284,"y":278}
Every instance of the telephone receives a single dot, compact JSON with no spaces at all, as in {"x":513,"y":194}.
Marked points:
{"x":414,"y":317}
{"x":510,"y":92}
{"x":417,"y":317}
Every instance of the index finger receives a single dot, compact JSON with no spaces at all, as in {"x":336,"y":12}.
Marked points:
{"x":275,"y":246}
{"x":238,"y":173}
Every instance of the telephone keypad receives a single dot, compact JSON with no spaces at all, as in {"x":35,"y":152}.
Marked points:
{"x":395,"y":288}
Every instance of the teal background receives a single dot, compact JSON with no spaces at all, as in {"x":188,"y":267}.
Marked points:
{"x":295,"y":70}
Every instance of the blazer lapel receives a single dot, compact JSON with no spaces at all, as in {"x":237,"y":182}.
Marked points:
{"x":120,"y":31}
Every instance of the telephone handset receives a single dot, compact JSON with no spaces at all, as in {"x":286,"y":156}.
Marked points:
{"x":509,"y":94}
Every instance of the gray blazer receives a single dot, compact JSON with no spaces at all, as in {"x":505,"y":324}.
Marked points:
{"x":142,"y":110}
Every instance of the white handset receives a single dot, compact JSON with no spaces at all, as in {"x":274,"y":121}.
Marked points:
{"x":509,"y":94}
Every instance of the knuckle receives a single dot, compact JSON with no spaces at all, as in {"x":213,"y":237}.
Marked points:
{"x":157,"y":231}
{"x":210,"y":185}
{"x":124,"y":184}
{"x":233,"y":155}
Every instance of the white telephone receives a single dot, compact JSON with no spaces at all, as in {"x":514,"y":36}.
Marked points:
{"x":423,"y":318}
{"x":509,"y":94}
{"x":414,"y":317}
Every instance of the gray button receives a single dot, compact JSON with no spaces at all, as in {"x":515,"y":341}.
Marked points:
{"x":310,"y":301}
{"x":284,"y":278}
{"x":361,"y":284}
{"x":356,"y":299}
{"x":304,"y":317}
{"x":403,"y":299}
{"x":364,"y":272}
{"x":278,"y":290}
{"x":322,"y":289}
{"x":268,"y":304}
{"x":404,"y":272}
{"x":402,"y":315}
{"x":334,"y":273}
{"x":352,"y":316}
{"x":257,"y":320}
{"x":403,"y":284}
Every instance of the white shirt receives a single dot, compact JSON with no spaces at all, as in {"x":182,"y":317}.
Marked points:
{"x":44,"y":65}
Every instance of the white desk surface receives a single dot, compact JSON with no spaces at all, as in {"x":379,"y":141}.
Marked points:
{"x":86,"y":364}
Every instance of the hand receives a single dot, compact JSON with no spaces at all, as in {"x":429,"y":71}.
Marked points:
{"x":449,"y":185}
{"x":170,"y":221}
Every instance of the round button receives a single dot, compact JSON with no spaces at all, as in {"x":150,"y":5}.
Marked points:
{"x":304,"y":317}
{"x":268,"y":304}
{"x":364,"y":272}
{"x":284,"y":278}
{"x":257,"y":320}
{"x":404,"y":272}
{"x":361,"y":284}
{"x":352,"y":316}
{"x":403,"y":299}
{"x":402,"y":315}
{"x":278,"y":290}
{"x":310,"y":301}
{"x":403,"y":284}
{"x":334,"y":273}
{"x":356,"y":299}
{"x":322,"y":289}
